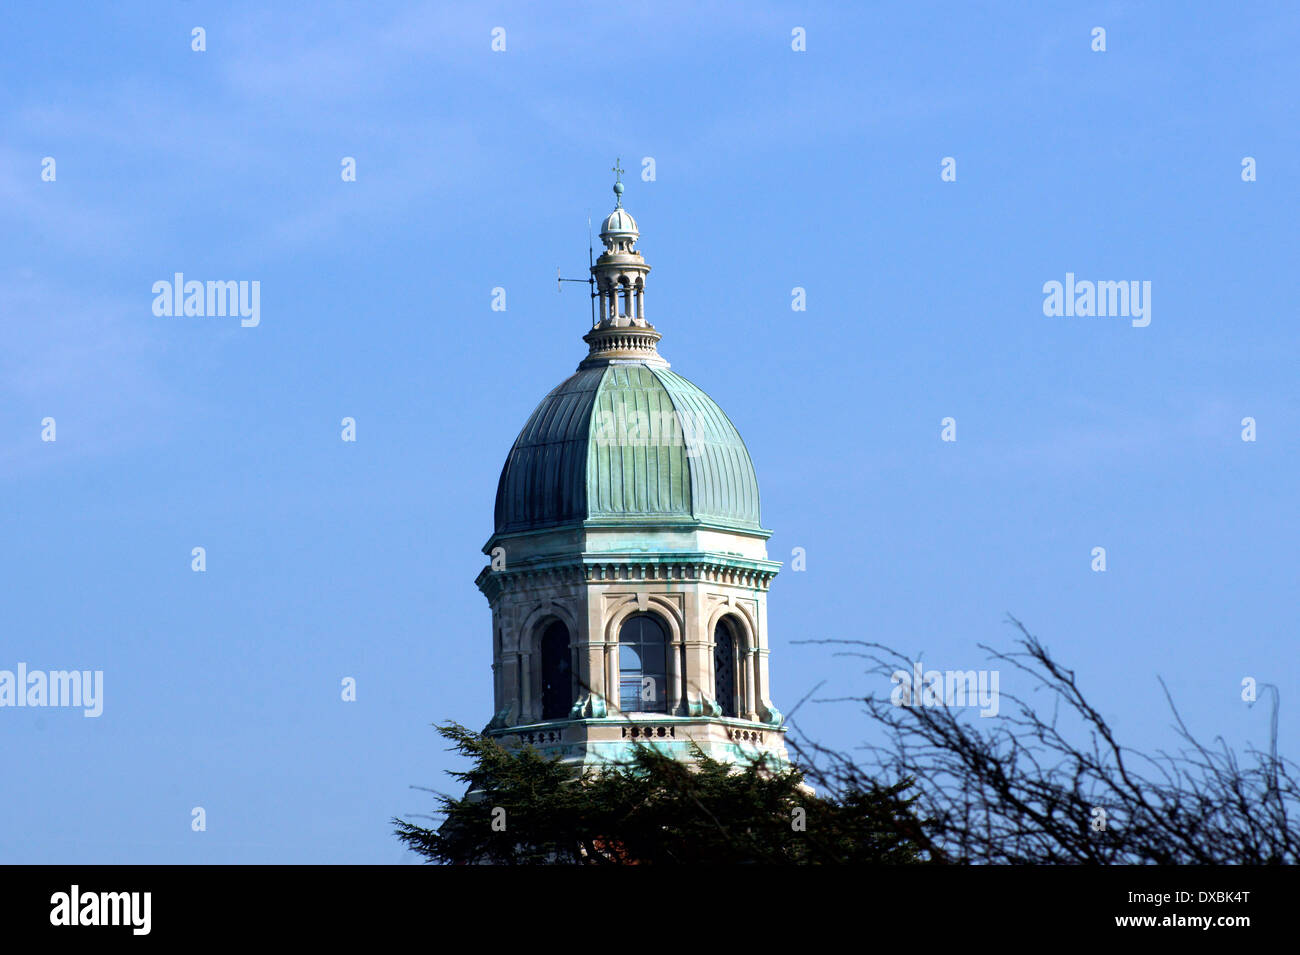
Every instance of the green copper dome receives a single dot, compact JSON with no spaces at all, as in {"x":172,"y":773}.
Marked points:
{"x":627,"y":442}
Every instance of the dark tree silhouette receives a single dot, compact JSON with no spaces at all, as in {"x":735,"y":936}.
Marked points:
{"x":1046,"y":784}
{"x":521,"y":807}
{"x":1017,"y":789}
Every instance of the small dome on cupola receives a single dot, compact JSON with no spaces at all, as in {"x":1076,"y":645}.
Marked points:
{"x":619,"y":223}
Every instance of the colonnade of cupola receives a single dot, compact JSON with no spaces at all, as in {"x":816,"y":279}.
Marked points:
{"x":622,"y":300}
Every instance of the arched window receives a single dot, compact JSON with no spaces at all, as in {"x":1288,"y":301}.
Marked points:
{"x":724,"y":667}
{"x":557,"y":673}
{"x":642,"y":665}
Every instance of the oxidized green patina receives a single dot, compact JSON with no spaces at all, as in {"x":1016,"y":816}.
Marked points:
{"x":627,"y":442}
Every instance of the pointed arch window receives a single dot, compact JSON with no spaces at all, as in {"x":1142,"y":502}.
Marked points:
{"x":725,"y":667}
{"x":642,"y":665}
{"x":557,"y":672}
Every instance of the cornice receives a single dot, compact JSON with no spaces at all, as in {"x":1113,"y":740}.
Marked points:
{"x":696,"y":567}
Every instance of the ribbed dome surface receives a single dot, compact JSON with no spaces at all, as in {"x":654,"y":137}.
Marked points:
{"x":627,"y":442}
{"x":619,"y":222}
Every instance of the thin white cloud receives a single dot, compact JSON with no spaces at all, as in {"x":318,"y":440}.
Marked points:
{"x":84,"y":359}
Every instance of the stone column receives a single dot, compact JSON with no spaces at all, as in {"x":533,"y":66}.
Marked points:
{"x":764,"y":677}
{"x":510,"y":686}
{"x":696,"y":639}
{"x":612,"y":681}
{"x":674,"y":687}
{"x":526,"y":688}
{"x":763,"y":667}
{"x":751,"y":694}
{"x":575,"y":671}
{"x":592,"y":656}
{"x":496,"y":687}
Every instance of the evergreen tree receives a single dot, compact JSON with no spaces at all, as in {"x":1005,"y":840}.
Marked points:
{"x":524,"y":808}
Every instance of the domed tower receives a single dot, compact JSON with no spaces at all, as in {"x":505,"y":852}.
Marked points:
{"x":628,"y":569}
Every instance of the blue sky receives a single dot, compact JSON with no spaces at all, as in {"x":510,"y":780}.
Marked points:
{"x":478,"y":169}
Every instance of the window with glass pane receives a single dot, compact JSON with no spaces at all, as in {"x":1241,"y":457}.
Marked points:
{"x":724,"y":668}
{"x":557,"y":673}
{"x":643,"y":665}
